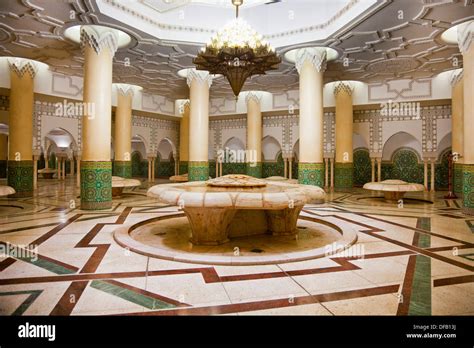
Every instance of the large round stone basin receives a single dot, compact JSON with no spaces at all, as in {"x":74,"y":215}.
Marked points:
{"x":238,"y":205}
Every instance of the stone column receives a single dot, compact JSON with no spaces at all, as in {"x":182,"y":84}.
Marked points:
{"x":36,"y":156}
{"x":20,"y":121}
{"x":372,"y":163}
{"x":3,"y":155}
{"x":379,"y":169}
{"x":332,"y":171}
{"x":457,"y":131}
{"x":254,"y":134}
{"x":433,"y":160}
{"x":326,"y":172}
{"x":425,"y":174}
{"x":58,"y":167}
{"x":199,"y":83}
{"x":466,"y":46}
{"x":63,"y":171}
{"x":153,"y":169}
{"x":184,"y":138}
{"x":71,"y":168}
{"x":290,"y":167}
{"x":123,"y":131}
{"x":311,"y":64}
{"x":344,"y":168}
{"x":99,"y":46}
{"x":285,"y":167}
{"x":78,"y":163}
{"x":149,"y":168}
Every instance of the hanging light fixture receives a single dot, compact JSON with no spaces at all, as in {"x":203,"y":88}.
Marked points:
{"x":237,"y":52}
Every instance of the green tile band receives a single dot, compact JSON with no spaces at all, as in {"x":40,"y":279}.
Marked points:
{"x":255,"y":171}
{"x":468,"y":189}
{"x":123,"y":169}
{"x":311,"y":174}
{"x":183,"y":167}
{"x":96,"y":185}
{"x":457,"y":178}
{"x":198,"y":170}
{"x":343,"y":175}
{"x":20,"y":177}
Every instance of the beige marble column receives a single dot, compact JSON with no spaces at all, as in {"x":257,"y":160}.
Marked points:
{"x":332,"y":171}
{"x":326,"y":172}
{"x":58,"y":168}
{"x":149,"y":168}
{"x":20,"y":121}
{"x":36,"y":156}
{"x":372,"y":163}
{"x":254,"y":134}
{"x":379,"y":169}
{"x":184,"y":138}
{"x":311,"y":64}
{"x":123,"y":130}
{"x":457,"y":127}
{"x":78,"y":164}
{"x":285,"y":167}
{"x":199,"y":83}
{"x":466,"y":46}
{"x":433,"y":160}
{"x":99,"y":46}
{"x":344,"y":168}
{"x":71,"y":167}
{"x":290,"y":167}
{"x":425,"y":174}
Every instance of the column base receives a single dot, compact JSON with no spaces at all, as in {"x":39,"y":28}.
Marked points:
{"x":255,"y":171}
{"x":20,"y":177}
{"x":468,"y":189}
{"x":311,"y":173}
{"x":122,"y":169}
{"x":183,"y":167}
{"x":96,"y":185}
{"x":457,"y":178}
{"x":343,"y":175}
{"x":198,"y":171}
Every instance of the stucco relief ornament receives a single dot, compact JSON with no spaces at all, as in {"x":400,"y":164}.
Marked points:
{"x":200,"y":76}
{"x":316,"y":56}
{"x":22,"y":66}
{"x":255,"y":96}
{"x":465,"y":36}
{"x":99,"y":38}
{"x":343,"y":87}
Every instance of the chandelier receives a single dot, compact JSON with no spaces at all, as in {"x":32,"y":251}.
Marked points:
{"x":237,"y":52}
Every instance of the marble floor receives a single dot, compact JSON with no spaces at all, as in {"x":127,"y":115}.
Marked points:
{"x":410,"y":259}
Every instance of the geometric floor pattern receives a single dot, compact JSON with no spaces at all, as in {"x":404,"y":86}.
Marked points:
{"x":413,"y":259}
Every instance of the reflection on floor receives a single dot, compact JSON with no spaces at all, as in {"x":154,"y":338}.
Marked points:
{"x":410,"y":259}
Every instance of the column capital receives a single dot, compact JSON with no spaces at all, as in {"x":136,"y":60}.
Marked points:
{"x":200,"y":76}
{"x":315,"y":55}
{"x":183,"y":104}
{"x":345,"y":87}
{"x":99,"y":37}
{"x":125,"y":89}
{"x":465,"y":36}
{"x":456,"y":76}
{"x":253,"y":95}
{"x":21,"y":66}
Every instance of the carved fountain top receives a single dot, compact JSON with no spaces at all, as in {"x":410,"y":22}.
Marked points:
{"x":236,"y":180}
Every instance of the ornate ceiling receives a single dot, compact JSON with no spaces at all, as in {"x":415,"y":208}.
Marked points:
{"x":391,"y":40}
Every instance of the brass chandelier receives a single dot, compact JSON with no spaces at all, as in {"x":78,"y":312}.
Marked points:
{"x":237,"y":52}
